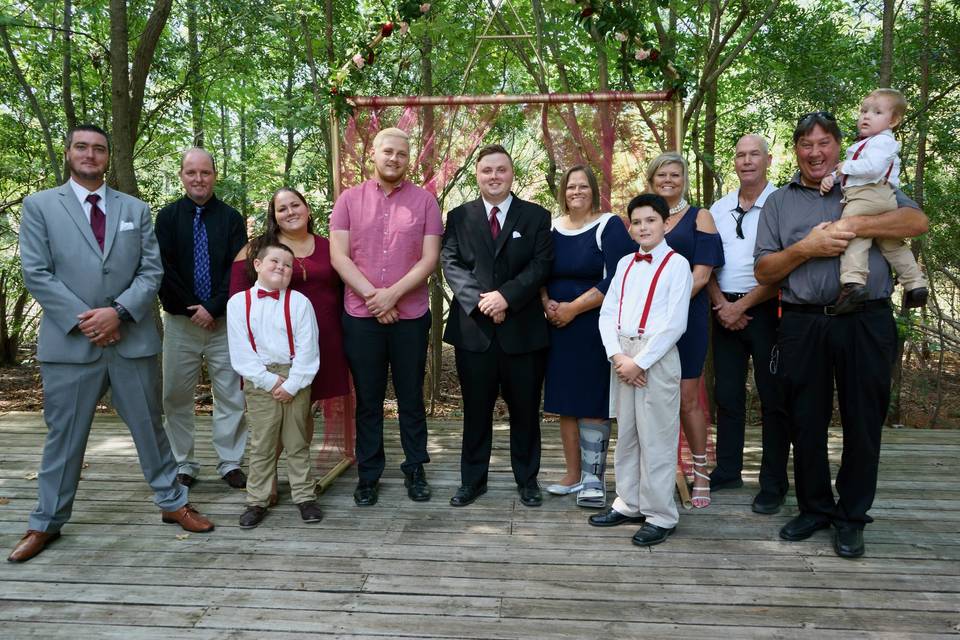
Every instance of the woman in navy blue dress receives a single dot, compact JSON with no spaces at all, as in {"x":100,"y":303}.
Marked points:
{"x":587,"y":246}
{"x":691,"y":233}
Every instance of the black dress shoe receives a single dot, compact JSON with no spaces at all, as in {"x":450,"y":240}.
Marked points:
{"x":650,"y":534}
{"x":236,"y":479}
{"x":802,"y":527}
{"x":915,"y":298}
{"x":185,"y":480}
{"x":724,"y":482}
{"x":366,"y":493}
{"x":467,"y":494}
{"x":767,"y":503}
{"x":253,"y":516}
{"x":848,"y":542}
{"x":610,"y":517}
{"x":530,"y":495}
{"x":310,"y":511}
{"x":416,"y":483}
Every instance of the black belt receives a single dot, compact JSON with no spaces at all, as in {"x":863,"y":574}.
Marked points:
{"x":827,"y":310}
{"x":733,"y":297}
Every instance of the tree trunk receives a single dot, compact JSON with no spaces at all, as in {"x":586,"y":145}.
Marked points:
{"x":886,"y":49}
{"x":127,"y":88}
{"x":224,"y":141}
{"x":709,"y":147}
{"x":196,"y":88}
{"x":244,"y":200}
{"x":317,"y":92}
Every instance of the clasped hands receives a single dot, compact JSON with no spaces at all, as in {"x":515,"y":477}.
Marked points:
{"x":730,"y":316}
{"x":559,"y":314}
{"x":279,"y":393}
{"x":101,"y":326}
{"x":382,"y":303}
{"x":628,"y":371}
{"x":493,"y":305}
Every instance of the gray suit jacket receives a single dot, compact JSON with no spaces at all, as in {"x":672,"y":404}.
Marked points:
{"x":67,"y":273}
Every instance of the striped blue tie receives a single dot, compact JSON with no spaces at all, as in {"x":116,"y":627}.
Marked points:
{"x":201,"y":257}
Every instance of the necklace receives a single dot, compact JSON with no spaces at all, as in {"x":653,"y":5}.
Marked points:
{"x":303,"y":268}
{"x":679,"y":207}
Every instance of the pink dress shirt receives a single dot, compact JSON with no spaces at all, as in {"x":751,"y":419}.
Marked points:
{"x":386,"y":239}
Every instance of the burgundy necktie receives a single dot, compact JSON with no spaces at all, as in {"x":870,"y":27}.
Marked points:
{"x":494,"y":223}
{"x":98,"y":221}
{"x":275,"y":294}
{"x":646,"y":257}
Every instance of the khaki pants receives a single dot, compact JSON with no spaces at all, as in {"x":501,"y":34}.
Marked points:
{"x":271,"y":422}
{"x":872,"y":200}
{"x":648,"y":431}
{"x":185,"y":346}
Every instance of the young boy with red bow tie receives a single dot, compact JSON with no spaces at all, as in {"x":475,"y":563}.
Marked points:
{"x":643,"y":315}
{"x":272,"y":333}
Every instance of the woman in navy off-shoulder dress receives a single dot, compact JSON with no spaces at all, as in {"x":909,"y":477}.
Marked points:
{"x":691,"y":233}
{"x":587,"y":246}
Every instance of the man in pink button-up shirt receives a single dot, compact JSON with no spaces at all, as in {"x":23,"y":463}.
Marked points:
{"x":385,"y":242}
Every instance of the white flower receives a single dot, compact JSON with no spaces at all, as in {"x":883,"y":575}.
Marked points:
{"x":425,"y":7}
{"x":620,"y":36}
{"x":404,"y":27}
{"x":642,"y":54}
{"x":358,"y":60}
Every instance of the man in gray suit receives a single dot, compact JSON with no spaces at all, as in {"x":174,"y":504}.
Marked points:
{"x":91,"y":261}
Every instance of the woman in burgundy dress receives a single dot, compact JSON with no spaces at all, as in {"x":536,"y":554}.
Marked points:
{"x":289,"y":221}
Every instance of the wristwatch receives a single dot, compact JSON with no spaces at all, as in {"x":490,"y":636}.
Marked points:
{"x":122,"y":312}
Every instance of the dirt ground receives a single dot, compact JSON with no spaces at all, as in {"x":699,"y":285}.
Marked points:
{"x":21,"y":390}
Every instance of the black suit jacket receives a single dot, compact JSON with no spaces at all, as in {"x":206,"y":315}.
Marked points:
{"x":517,"y":265}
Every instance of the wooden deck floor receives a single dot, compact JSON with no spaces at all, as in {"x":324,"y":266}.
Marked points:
{"x":492,"y":570}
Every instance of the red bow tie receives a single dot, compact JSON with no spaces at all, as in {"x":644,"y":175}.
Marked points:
{"x":268,"y":294}
{"x":647,"y":257}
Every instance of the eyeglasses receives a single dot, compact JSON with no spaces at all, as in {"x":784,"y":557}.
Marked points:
{"x":739,"y":220}
{"x":816,"y":115}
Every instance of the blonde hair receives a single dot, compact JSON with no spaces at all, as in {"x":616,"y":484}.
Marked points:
{"x":390,"y":132}
{"x":670,"y":157}
{"x":897,"y":101}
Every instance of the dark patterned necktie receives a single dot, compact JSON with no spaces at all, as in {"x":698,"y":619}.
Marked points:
{"x":98,"y":221}
{"x":201,"y":257}
{"x":494,"y":222}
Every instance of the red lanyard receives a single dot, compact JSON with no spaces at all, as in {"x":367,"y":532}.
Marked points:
{"x":653,"y":288}
{"x":856,"y":155}
{"x":286,"y":317}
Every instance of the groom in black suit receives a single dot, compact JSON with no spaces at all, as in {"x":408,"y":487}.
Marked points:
{"x":497,"y":252}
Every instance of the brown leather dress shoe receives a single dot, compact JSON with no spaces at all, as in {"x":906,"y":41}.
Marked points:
{"x":188,"y":518}
{"x":31,"y":544}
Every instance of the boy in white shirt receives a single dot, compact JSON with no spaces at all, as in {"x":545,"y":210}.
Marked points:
{"x":272,"y":334}
{"x":869,"y":176}
{"x":643,"y":315}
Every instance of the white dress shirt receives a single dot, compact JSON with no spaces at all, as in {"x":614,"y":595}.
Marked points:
{"x":736,"y":274}
{"x":82,"y":193}
{"x":269,"y":330}
{"x":667,"y":320}
{"x":502,"y":209}
{"x":881,"y":150}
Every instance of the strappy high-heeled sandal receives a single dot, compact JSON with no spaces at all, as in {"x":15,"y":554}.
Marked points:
{"x":699,"y":500}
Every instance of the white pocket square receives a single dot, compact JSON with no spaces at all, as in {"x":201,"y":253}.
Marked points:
{"x":516,"y":234}
{"x":126,"y":225}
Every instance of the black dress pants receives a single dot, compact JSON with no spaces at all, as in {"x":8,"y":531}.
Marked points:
{"x":519,"y":378}
{"x":371,"y":347}
{"x":732,"y":351}
{"x":857,"y":351}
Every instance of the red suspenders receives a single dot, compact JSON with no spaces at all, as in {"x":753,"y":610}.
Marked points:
{"x":286,"y":317}
{"x":856,"y":155}
{"x":653,"y":288}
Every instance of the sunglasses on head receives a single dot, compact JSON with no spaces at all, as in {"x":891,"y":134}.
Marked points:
{"x":816,"y":115}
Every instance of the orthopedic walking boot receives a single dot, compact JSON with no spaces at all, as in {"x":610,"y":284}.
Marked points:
{"x":594,"y":442}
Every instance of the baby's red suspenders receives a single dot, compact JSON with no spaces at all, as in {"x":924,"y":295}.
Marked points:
{"x":856,"y":154}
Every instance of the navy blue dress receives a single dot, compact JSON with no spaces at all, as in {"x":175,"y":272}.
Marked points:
{"x":698,"y":248}
{"x":578,"y":372}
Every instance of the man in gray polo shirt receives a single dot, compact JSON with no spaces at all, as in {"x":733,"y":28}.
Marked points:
{"x":799,"y":242}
